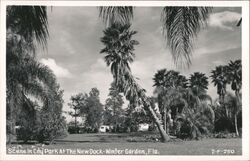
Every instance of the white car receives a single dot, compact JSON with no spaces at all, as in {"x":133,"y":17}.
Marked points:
{"x":104,"y":128}
{"x":143,"y":127}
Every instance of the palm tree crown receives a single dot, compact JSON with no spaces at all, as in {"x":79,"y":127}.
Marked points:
{"x":31,"y":22}
{"x":235,"y":74}
{"x":219,"y":78}
{"x":180,"y":26}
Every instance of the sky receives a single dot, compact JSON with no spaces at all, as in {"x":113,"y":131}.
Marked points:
{"x":74,"y":46}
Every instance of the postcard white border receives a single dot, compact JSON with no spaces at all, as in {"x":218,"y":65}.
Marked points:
{"x":245,"y":81}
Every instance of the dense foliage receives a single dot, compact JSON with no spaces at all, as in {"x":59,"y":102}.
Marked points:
{"x":34,"y":99}
{"x":89,"y":108}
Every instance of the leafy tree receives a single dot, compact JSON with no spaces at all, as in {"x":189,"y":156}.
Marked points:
{"x":113,"y":108}
{"x":118,"y":51}
{"x":50,"y":122}
{"x":42,"y":123}
{"x":137,"y":114}
{"x":180,"y":26}
{"x":77,"y":103}
{"x":92,"y":110}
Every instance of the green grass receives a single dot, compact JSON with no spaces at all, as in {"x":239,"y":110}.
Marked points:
{"x":120,"y":141}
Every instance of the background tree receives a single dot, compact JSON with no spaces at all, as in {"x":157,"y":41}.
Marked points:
{"x":220,"y":80}
{"x":92,"y":111}
{"x":235,"y":78}
{"x":77,"y":103}
{"x":198,"y":85}
{"x":230,"y":123}
{"x":113,"y":108}
{"x":169,"y":89}
{"x":50,"y":123}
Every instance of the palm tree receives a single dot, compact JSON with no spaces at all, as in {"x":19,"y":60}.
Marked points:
{"x":198,"y":81}
{"x":198,"y":85}
{"x":25,"y":78}
{"x":219,"y":78}
{"x":118,"y":51}
{"x":169,"y":88}
{"x":25,"y":25}
{"x":180,"y":25}
{"x":235,"y":77}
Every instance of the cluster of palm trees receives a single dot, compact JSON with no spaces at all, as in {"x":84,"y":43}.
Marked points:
{"x":184,"y":99}
{"x":230,"y":74}
{"x":181,"y":25}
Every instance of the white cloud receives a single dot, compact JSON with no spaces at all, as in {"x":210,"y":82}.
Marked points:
{"x":98,"y":76}
{"x":59,"y":71}
{"x":218,"y":62}
{"x":222,"y":19}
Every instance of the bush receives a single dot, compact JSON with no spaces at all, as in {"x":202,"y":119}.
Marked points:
{"x":193,"y":126}
{"x":50,"y":126}
{"x":46,"y":126}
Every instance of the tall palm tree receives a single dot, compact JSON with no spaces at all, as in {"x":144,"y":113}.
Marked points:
{"x":235,"y":77}
{"x":198,"y":85}
{"x":219,"y":78}
{"x":180,"y":25}
{"x":25,"y":26}
{"x":118,"y":50}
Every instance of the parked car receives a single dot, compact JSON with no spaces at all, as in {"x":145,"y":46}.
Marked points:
{"x":104,"y":128}
{"x":143,"y":127}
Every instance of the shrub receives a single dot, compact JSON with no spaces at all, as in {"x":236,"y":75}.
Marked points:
{"x":50,"y":126}
{"x":45,"y":126}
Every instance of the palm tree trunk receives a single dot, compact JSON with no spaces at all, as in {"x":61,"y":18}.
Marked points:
{"x":75,"y":123}
{"x":12,"y":121}
{"x":235,"y":124}
{"x":165,"y":119}
{"x":237,"y":110}
{"x":223,"y":104}
{"x":164,"y":135}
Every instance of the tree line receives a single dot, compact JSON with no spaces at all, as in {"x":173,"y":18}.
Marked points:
{"x":185,"y":108}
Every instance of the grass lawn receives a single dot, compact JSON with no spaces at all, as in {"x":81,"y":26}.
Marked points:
{"x":111,"y":143}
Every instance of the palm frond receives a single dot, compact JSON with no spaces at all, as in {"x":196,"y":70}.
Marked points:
{"x":116,"y":14}
{"x":31,"y":22}
{"x":180,"y":27}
